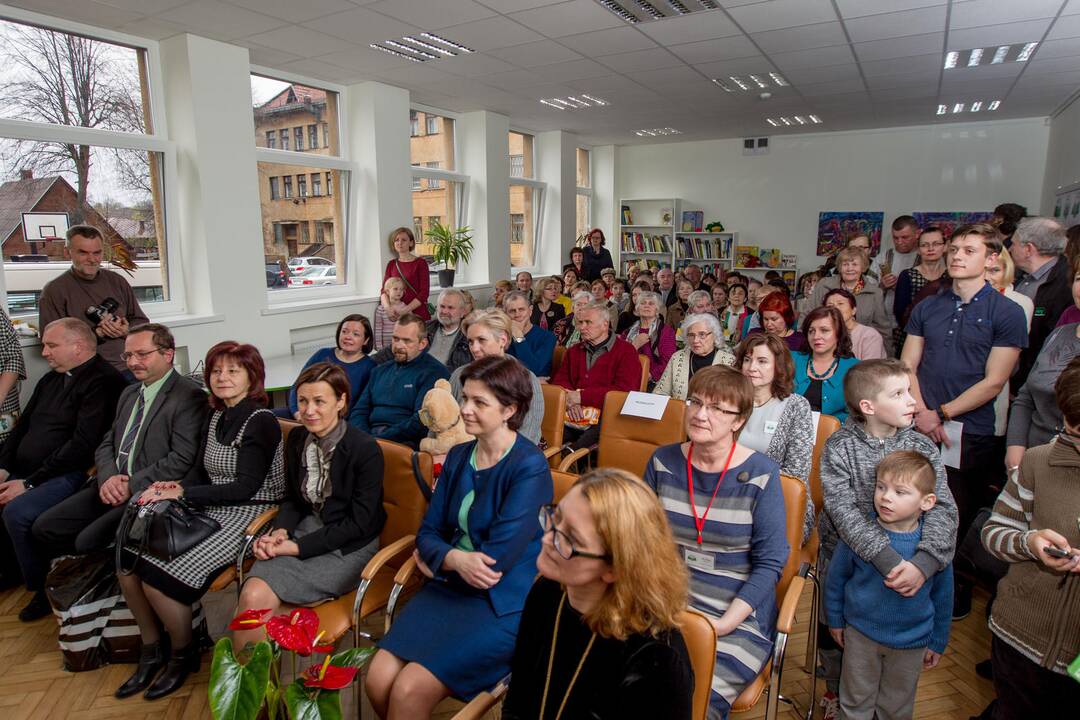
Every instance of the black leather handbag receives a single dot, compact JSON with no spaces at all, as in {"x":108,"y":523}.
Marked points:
{"x":165,"y":529}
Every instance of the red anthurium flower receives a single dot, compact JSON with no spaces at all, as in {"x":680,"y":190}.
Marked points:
{"x":248,"y":620}
{"x":295,"y":631}
{"x":329,"y":677}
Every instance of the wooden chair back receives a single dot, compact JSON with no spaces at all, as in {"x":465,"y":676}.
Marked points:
{"x":827,"y":425}
{"x":553,"y":425}
{"x":628,"y":442}
{"x":644,"y":372}
{"x":700,"y":637}
{"x":557,"y":358}
{"x":562,"y":482}
{"x":404,"y":501}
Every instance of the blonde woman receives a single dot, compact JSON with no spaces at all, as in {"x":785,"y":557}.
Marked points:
{"x":607,"y":603}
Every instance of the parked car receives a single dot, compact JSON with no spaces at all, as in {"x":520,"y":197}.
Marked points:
{"x":276,"y":275}
{"x":300,"y":264}
{"x":321,"y":275}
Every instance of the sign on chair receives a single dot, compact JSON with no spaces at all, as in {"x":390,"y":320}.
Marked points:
{"x":645,"y":405}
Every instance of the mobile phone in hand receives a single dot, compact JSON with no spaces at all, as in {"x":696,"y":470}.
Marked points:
{"x":1055,"y":551}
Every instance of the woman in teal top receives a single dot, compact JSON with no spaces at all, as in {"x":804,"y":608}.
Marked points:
{"x":819,"y":372}
{"x":477,"y":546}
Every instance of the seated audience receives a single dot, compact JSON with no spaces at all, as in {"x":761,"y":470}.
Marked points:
{"x":611,"y":581}
{"x":577,"y":263}
{"x":757,"y":296}
{"x":665,"y":286}
{"x":489,"y":334}
{"x":702,"y":350}
{"x":629,"y":316}
{"x":532,"y":345}
{"x":1037,"y":248}
{"x":736,"y":548}
{"x":569,"y":280}
{"x":1035,"y":618}
{"x":820,"y":370}
{"x":692,"y":274}
{"x":327,"y":528}
{"x":719,"y":297}
{"x":446,"y":342}
{"x":243,"y":476}
{"x":566,"y":331}
{"x":547,"y":311}
{"x":780,"y":425}
{"x":389,"y":404}
{"x":619,"y":298}
{"x":354,"y":342}
{"x":870,"y":310}
{"x":602,"y":362}
{"x":456,"y":635}
{"x":650,"y":336}
{"x":887,"y":637}
{"x":778,"y":318}
{"x":12,"y":373}
{"x":499,"y":291}
{"x":925,"y":278}
{"x":608,"y":276}
{"x":804,"y":294}
{"x":679,"y":309}
{"x":387,"y":311}
{"x":734,"y":315}
{"x":45,"y":459}
{"x":154,"y":437}
{"x":523,"y":281}
{"x":866,"y":343}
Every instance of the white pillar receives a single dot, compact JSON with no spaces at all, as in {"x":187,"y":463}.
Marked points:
{"x":483,"y":150}
{"x":556,"y":162}
{"x":605,"y":209}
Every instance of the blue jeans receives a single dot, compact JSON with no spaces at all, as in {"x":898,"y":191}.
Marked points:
{"x":19,"y":515}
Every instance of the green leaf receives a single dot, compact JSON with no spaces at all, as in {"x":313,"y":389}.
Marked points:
{"x":237,"y":691}
{"x":312,"y":705}
{"x":353,"y":657}
{"x":273,"y":700}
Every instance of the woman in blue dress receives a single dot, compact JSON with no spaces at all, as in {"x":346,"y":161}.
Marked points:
{"x":477,"y":546}
{"x":352,"y":347}
{"x":726,"y":508}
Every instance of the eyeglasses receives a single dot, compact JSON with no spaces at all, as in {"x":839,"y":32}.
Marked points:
{"x":693,"y":404}
{"x":698,"y":336}
{"x":141,"y":354}
{"x":562,"y":542}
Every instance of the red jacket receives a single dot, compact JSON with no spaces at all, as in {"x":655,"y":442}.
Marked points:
{"x":617,"y":369}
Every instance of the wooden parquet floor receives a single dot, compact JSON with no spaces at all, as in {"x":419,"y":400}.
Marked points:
{"x":33,"y":685}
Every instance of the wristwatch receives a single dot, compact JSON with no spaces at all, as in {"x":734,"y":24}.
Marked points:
{"x":942,"y":415}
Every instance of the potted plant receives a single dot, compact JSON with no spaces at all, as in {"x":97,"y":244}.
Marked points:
{"x":449,"y":247}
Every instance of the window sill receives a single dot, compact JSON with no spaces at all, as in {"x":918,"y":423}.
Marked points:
{"x":187,"y":320}
{"x":285,"y":308}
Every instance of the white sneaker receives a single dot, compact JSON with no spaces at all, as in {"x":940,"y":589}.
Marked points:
{"x":830,"y":705}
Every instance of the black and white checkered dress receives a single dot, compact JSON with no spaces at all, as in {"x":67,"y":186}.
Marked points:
{"x":191,"y":574}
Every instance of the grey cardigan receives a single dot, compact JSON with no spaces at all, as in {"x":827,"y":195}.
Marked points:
{"x":1035,"y":417}
{"x":848,"y":476}
{"x":530,"y":424}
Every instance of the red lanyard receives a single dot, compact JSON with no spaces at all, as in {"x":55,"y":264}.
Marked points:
{"x":700,"y":523}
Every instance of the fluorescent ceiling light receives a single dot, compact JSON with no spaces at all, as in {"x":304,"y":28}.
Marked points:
{"x":976,"y":106}
{"x":1026,"y":53}
{"x":958,"y":108}
{"x":976,"y":56}
{"x":760,"y":83}
{"x":406,"y":48}
{"x":722,"y":85}
{"x":575,"y":102}
{"x":557,"y":107}
{"x":620,"y":11}
{"x":678,"y":7}
{"x":815,"y":119}
{"x":429,"y":46}
{"x":942,"y":109}
{"x":653,"y":132}
{"x":994,"y":105}
{"x":444,"y":41}
{"x":738,"y":81}
{"x":650,"y":10}
{"x":772,"y":122}
{"x":778,"y":79}
{"x":951,"y":59}
{"x":394,"y":52}
{"x":597,"y":101}
{"x":708,"y":4}
{"x":999,"y":55}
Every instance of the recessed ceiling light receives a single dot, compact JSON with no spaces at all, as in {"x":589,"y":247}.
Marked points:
{"x":793,"y":120}
{"x":411,"y":51}
{"x":1019,"y":52}
{"x":951,"y":59}
{"x":942,"y":109}
{"x":778,"y":79}
{"x":708,"y":4}
{"x":395,"y":52}
{"x":772,"y":122}
{"x":650,"y":10}
{"x":444,"y":41}
{"x":406,"y":48}
{"x":976,"y":106}
{"x":429,"y":46}
{"x":748,"y":82}
{"x":1026,"y":53}
{"x":999,"y":55}
{"x":678,"y":7}
{"x":597,"y":101}
{"x":975,"y":57}
{"x":958,"y":108}
{"x":635,"y":11}
{"x":723,"y":86}
{"x":619,"y":10}
{"x":739,"y":81}
{"x":815,"y":119}
{"x":994,"y":105}
{"x":654,"y":132}
{"x":575,"y":102}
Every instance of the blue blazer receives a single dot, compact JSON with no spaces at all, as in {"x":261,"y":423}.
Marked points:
{"x":832,"y":390}
{"x":502,"y":521}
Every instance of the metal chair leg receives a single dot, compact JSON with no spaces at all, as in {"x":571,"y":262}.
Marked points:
{"x":810,"y":664}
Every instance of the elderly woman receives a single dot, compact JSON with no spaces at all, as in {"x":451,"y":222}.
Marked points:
{"x":351,"y":352}
{"x":628,"y":316}
{"x":547,"y":311}
{"x":735,"y":314}
{"x":412,"y":270}
{"x":732,"y":533}
{"x":679,"y":309}
{"x":651,"y":336}
{"x":820,"y":371}
{"x":851,"y":263}
{"x":866,"y":344}
{"x":328,"y":526}
{"x":611,"y":580}
{"x":477,"y":544}
{"x":781,"y":425}
{"x":778,"y":319}
{"x":566,"y":332}
{"x":243,"y":461}
{"x":702,"y":350}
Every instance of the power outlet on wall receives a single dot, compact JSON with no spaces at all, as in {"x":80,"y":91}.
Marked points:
{"x":755,"y":146}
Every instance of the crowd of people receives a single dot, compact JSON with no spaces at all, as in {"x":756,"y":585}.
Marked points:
{"x":970,"y":338}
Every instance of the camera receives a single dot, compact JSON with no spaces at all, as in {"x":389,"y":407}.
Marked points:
{"x":97,"y":313}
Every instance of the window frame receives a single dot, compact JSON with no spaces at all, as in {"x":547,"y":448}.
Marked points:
{"x":156,"y":141}
{"x":421,"y":172}
{"x":539,"y":197}
{"x":585,"y":191}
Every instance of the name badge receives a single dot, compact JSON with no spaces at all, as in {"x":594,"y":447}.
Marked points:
{"x":699,"y":560}
{"x":770,"y":426}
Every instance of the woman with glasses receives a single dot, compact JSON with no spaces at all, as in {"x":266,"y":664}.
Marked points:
{"x":607,"y":606}
{"x":477,"y":545}
{"x":547,"y":311}
{"x":702,"y":350}
{"x":930,"y":269}
{"x":650,"y":336}
{"x":731,"y":532}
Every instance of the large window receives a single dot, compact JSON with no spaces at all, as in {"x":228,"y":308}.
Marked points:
{"x":526,"y":196}
{"x":307,"y":226}
{"x":584,"y":192}
{"x":78,"y":146}
{"x":438,"y":191}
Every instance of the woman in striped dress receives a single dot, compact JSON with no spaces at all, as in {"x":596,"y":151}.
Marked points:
{"x":728,"y":518}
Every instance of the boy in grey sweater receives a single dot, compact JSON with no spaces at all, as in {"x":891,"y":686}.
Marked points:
{"x":878,"y":396}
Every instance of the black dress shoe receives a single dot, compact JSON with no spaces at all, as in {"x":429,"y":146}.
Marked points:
{"x":37,"y":608}
{"x":182,"y":663}
{"x":153,"y":658}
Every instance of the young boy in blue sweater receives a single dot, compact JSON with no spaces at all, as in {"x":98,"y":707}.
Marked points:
{"x":888,"y":638}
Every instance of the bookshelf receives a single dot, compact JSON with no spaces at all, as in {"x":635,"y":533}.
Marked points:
{"x":665,"y":244}
{"x":711,"y":251}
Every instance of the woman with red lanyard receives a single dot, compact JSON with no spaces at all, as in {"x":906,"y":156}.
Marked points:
{"x":412,"y":270}
{"x":726,"y":509}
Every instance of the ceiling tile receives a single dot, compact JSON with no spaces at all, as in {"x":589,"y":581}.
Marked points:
{"x":94,"y":13}
{"x":152,"y":28}
{"x":218,"y":20}
{"x":929,"y":64}
{"x":490,"y":33}
{"x":849,"y":85}
{"x":419,"y":74}
{"x":817,"y":57}
{"x":1004,"y":34}
{"x":290,"y":10}
{"x":809,"y":76}
{"x":779,"y":14}
{"x":901,"y":47}
{"x":640,"y":60}
{"x":364,"y":59}
{"x":321,"y":70}
{"x":898,"y":24}
{"x":1065,"y":27}
{"x":1072,"y":8}
{"x":976,"y":13}
{"x":910,"y":93}
{"x":432,"y":14}
{"x":861,"y":8}
{"x":567,"y":18}
{"x":362,"y":26}
{"x":801,"y":38}
{"x":575,"y":70}
{"x":736,"y":46}
{"x":691,"y":28}
{"x":1066,"y":47}
{"x":926,"y":81}
{"x":985,"y":72}
{"x":739,"y":66}
{"x":609,"y":42}
{"x":667,"y":78}
{"x":300,"y":41}
{"x":544,"y":52}
{"x":1050,"y":66}
{"x":143,"y":7}
{"x":514,"y":79}
{"x":607,"y":84}
{"x":269,"y":57}
{"x":475,"y":65}
{"x":992,"y":88}
{"x":509,"y":6}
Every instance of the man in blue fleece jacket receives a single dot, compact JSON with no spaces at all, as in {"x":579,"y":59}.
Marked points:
{"x":389,"y":405}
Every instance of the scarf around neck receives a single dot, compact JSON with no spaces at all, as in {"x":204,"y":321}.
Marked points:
{"x":315,"y":464}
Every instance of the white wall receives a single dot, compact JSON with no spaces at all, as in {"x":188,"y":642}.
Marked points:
{"x":1062,"y":155}
{"x":773,"y":200}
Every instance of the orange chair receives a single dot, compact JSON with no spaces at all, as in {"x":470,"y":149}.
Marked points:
{"x":644,"y":372}
{"x":628,"y":442}
{"x":788,"y":591}
{"x":557,"y":358}
{"x":561,"y":483}
{"x":700,"y":638}
{"x":553,"y":426}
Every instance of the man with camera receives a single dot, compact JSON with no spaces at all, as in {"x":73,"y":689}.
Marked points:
{"x":101,"y":298}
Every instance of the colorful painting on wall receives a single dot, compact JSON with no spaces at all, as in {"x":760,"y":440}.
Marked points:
{"x":834,"y":228}
{"x":949,"y":221}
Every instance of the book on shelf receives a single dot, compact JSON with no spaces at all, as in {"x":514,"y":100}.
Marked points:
{"x":719,"y":269}
{"x":641,"y":264}
{"x":627,"y":216}
{"x":770,"y":257}
{"x":789,"y":278}
{"x":693,"y":220}
{"x":708,"y":248}
{"x":747,"y":256}
{"x":789,"y":261}
{"x":643,"y":242}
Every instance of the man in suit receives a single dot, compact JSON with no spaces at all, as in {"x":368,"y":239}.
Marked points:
{"x":155,"y":437}
{"x":48,"y":453}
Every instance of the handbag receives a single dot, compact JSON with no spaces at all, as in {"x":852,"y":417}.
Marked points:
{"x":165,"y":529}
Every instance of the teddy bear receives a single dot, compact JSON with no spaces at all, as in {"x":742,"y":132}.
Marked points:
{"x":440,"y":414}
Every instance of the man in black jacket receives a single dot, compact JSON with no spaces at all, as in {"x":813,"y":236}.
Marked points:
{"x":45,"y":459}
{"x":1037,"y":249}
